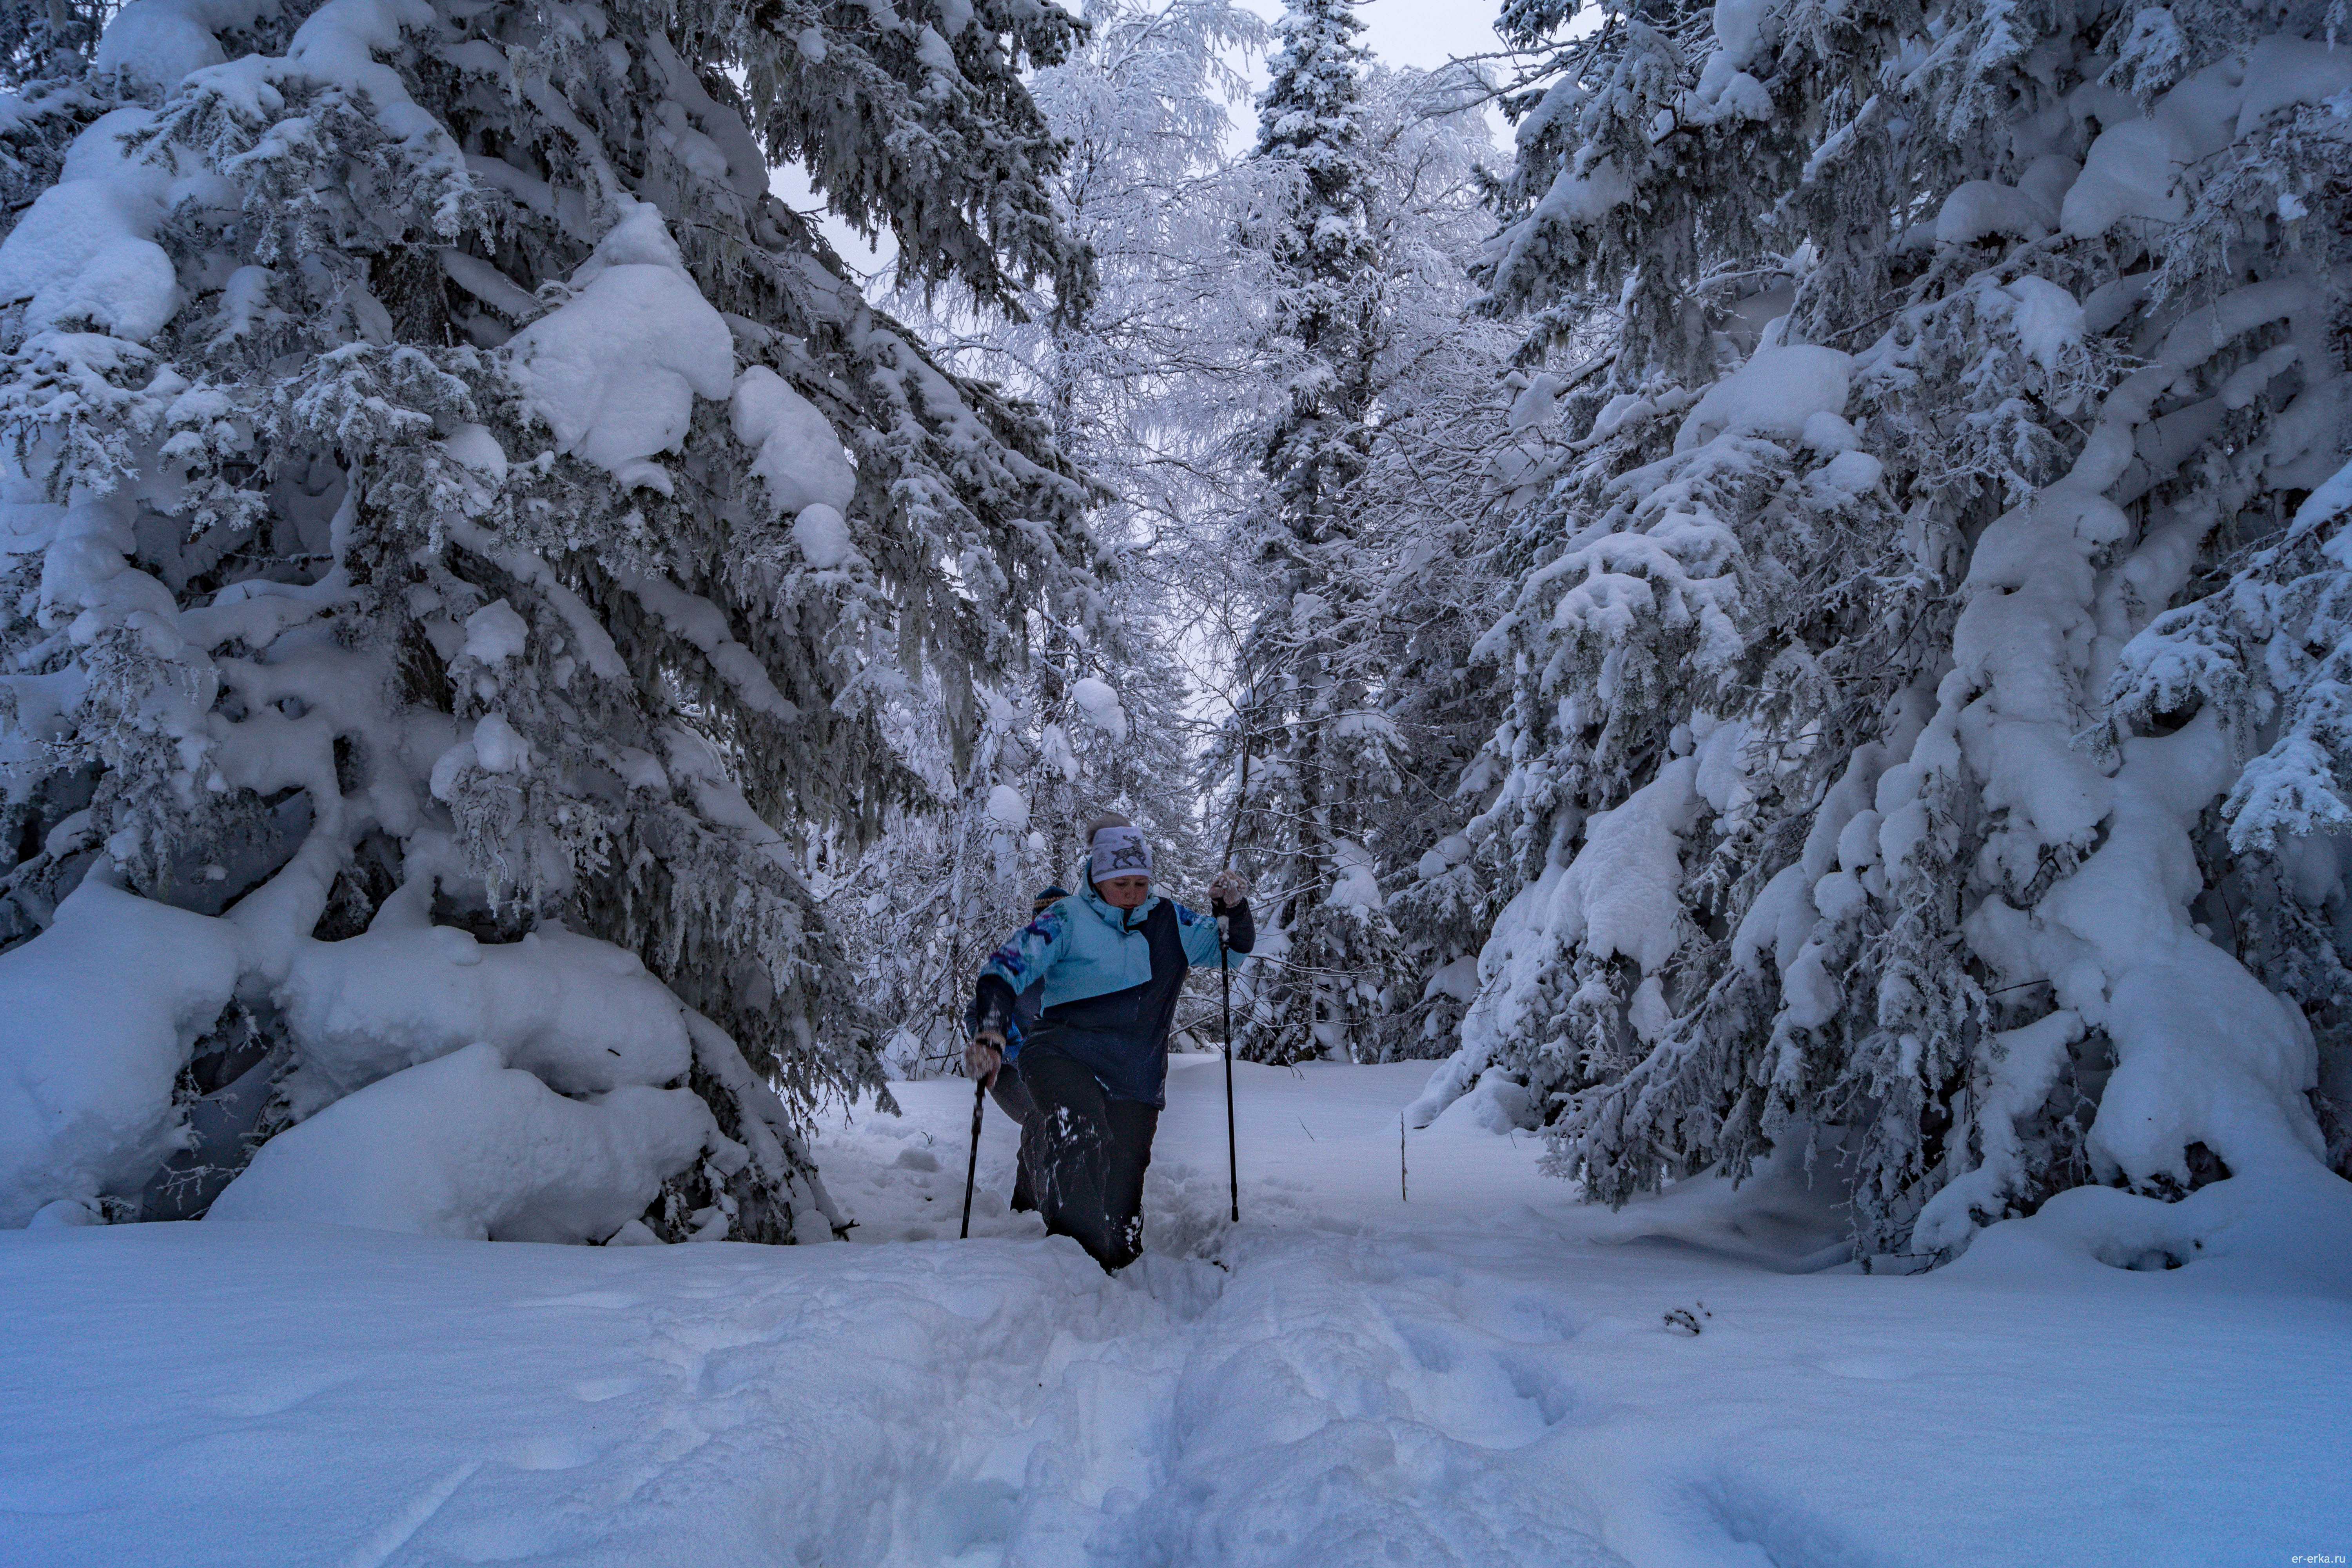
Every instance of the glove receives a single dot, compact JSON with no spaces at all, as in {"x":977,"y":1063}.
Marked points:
{"x":1229,"y":888}
{"x":984,"y":1056}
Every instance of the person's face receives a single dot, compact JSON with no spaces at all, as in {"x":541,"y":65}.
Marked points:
{"x":1125,"y":892}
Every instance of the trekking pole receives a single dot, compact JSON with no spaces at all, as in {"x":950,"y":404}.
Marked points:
{"x":1225,"y":983}
{"x":1232,"y":1145}
{"x":971,"y":1166}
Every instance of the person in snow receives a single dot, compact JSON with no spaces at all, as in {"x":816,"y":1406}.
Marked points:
{"x":1110,"y":959}
{"x":1005,"y":1087}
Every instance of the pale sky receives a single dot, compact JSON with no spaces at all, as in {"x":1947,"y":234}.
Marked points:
{"x":1425,"y":33}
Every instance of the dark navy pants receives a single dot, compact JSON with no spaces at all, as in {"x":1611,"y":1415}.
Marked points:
{"x":1011,"y":1097}
{"x":1084,"y":1154}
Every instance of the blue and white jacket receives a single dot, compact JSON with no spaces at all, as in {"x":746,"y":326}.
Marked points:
{"x":1111,"y":977}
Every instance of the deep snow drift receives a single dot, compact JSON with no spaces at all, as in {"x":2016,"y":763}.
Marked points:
{"x":1483,"y":1374}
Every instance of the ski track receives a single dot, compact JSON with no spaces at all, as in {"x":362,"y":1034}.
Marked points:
{"x":1342,"y":1380}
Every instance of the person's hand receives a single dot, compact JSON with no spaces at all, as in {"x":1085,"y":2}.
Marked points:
{"x":984,"y":1056}
{"x":1229,"y":888}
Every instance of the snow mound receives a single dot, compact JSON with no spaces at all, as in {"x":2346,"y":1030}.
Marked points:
{"x":2131,"y":171}
{"x":500,"y":747}
{"x":2047,"y":319}
{"x":160,"y":41}
{"x":495,"y":633}
{"x":1449,"y":1082}
{"x":1459,"y":980}
{"x":800,"y":458}
{"x":583,"y":1014}
{"x":1443,"y":856}
{"x":1007,"y":808}
{"x":467,"y":1147}
{"x":1357,"y":885}
{"x":96,"y":1016}
{"x":1620,"y":894}
{"x":2286,"y":1235}
{"x":1773,"y":395}
{"x":1500,"y":1104}
{"x":1100,"y":705}
{"x":1982,"y":208}
{"x":86,"y":251}
{"x":822,"y":535}
{"x":2135,"y":169}
{"x":614,"y":370}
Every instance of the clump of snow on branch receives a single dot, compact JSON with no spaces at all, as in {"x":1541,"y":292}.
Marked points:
{"x":614,"y":370}
{"x":1099,"y":705}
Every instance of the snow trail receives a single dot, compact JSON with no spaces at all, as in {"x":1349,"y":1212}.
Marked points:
{"x":1484,"y":1376}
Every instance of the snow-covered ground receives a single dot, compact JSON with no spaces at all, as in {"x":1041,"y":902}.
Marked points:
{"x":1483,"y":1374}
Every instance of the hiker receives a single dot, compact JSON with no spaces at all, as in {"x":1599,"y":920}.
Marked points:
{"x":1111,"y":959}
{"x":1005,"y":1087}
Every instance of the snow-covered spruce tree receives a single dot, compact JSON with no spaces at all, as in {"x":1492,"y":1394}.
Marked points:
{"x":462,"y":535}
{"x":1429,"y":517}
{"x":1908,"y":599}
{"x":1329,"y":957}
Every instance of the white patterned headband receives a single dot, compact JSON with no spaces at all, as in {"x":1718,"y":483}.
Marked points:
{"x":1118,"y":852}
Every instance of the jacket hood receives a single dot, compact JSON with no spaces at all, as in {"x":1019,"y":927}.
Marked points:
{"x":1109,"y":914}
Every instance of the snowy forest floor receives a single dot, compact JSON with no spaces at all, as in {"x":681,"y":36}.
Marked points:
{"x":1481,"y":1375}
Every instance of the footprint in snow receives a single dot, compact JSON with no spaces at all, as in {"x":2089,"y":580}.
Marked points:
{"x":1479,"y":1395}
